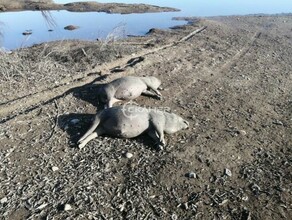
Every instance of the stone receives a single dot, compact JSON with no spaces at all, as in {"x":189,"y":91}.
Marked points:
{"x":4,"y":200}
{"x":227,"y":172}
{"x":242,"y":132}
{"x":42,"y":206}
{"x":129,"y":155}
{"x":71,"y":27}
{"x":55,"y":169}
{"x":67,"y":207}
{"x":191,"y":175}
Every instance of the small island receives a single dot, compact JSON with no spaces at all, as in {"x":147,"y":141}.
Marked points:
{"x":90,"y":6}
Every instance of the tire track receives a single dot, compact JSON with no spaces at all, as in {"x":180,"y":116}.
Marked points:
{"x":205,"y":73}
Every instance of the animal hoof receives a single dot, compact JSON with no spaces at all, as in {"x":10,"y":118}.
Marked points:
{"x":160,"y":147}
{"x":81,"y":145}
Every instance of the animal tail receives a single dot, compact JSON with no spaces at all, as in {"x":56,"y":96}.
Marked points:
{"x":94,"y":125}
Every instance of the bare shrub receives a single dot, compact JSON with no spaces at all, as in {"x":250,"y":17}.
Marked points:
{"x":117,"y":33}
{"x":49,"y":19}
{"x":1,"y":32}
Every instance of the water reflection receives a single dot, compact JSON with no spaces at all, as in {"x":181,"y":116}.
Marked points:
{"x":47,"y":26}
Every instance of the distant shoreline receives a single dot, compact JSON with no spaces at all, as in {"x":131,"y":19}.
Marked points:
{"x":111,"y":8}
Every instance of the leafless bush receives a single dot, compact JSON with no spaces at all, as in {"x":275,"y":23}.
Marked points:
{"x":111,"y":42}
{"x":49,"y":19}
{"x":117,"y":33}
{"x":1,"y":32}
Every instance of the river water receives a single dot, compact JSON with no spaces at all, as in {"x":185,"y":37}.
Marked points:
{"x":95,"y":25}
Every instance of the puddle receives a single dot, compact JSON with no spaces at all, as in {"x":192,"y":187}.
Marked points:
{"x":95,"y":25}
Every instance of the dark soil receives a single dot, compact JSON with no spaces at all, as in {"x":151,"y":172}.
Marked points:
{"x":232,"y":81}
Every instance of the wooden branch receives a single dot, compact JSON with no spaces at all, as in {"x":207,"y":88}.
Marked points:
{"x":192,"y":34}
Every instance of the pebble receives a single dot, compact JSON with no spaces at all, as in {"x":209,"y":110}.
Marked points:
{"x":28,"y":32}
{"x":71,"y":27}
{"x":67,"y":207}
{"x":129,"y":155}
{"x":227,"y":172}
{"x":55,"y":169}
{"x":185,"y":205}
{"x":223,"y":202}
{"x":42,"y":206}
{"x":245,"y":198}
{"x":191,"y":175}
{"x":255,"y":188}
{"x":277,"y":122}
{"x":174,"y":217}
{"x":3,"y":200}
{"x":242,"y":132}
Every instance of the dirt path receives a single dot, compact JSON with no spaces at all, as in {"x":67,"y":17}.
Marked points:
{"x":231,"y":81}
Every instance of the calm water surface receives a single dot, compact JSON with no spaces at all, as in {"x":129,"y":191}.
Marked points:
{"x":95,"y":25}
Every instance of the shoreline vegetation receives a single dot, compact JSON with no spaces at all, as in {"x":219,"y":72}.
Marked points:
{"x":111,"y":8}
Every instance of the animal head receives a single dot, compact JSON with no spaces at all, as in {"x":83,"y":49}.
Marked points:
{"x":174,"y":123}
{"x":105,"y":94}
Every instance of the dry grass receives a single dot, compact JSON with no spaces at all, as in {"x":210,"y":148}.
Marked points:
{"x":27,"y":73}
{"x":47,"y":65}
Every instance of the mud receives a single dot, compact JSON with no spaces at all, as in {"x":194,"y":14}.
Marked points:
{"x":230,"y":77}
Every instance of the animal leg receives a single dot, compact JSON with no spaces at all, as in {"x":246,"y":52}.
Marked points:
{"x":158,"y":94}
{"x":111,"y":102}
{"x":149,"y":93}
{"x":87,"y":139}
{"x":94,"y":125}
{"x":153,"y":134}
{"x":152,"y":85}
{"x":93,"y":135}
{"x":158,"y":123}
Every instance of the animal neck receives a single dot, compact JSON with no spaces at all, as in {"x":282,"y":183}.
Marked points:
{"x":109,"y":89}
{"x":171,"y":123}
{"x":146,"y":79}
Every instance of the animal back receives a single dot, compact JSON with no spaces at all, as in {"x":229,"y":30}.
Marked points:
{"x":130,"y":89}
{"x":126,"y":123}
